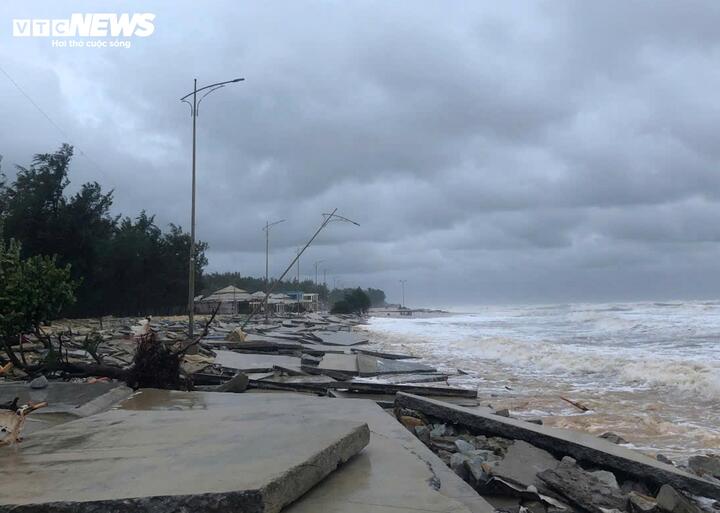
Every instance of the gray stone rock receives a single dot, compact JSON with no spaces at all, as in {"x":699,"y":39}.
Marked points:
{"x":672,"y":501}
{"x":236,"y":385}
{"x":39,"y":383}
{"x":664,"y":459}
{"x":457,"y":464}
{"x":534,"y":507}
{"x":522,"y":463}
{"x":444,"y":456}
{"x":613,"y":437}
{"x":476,"y":471}
{"x":445,"y":443}
{"x":606,"y":477}
{"x":584,"y":447}
{"x":439,"y":430}
{"x":539,"y":422}
{"x":423,"y":433}
{"x":705,"y":465}
{"x":503,"y":413}
{"x":582,"y":489}
{"x":640,"y":503}
{"x":463,"y":446}
{"x":484,"y":455}
{"x":495,"y":444}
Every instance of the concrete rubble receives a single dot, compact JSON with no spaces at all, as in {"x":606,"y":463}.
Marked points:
{"x":292,"y":414}
{"x":519,"y":466}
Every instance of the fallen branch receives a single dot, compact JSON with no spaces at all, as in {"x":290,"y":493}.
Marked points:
{"x":575,"y":404}
{"x":6,"y":368}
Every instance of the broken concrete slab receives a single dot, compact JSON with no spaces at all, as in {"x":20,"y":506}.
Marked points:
{"x":582,"y":489}
{"x":341,"y":338}
{"x":382,"y":354}
{"x":671,"y":501}
{"x":705,"y":464}
{"x":168,"y":461}
{"x":374,"y":366}
{"x":581,"y":446}
{"x":395,"y":473}
{"x":77,"y":399}
{"x":248,"y":362}
{"x":388,"y":400}
{"x":319,"y":349}
{"x":522,"y":463}
{"x":236,"y":385}
{"x":397,"y":379}
{"x":383,"y":388}
{"x":340,"y":366}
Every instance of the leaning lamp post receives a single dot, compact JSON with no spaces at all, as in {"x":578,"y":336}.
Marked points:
{"x":194,"y":102}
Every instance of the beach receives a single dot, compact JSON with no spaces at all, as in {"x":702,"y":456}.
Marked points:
{"x":647,"y":371}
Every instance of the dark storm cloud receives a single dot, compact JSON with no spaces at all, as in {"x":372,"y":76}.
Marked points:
{"x":541,"y":151}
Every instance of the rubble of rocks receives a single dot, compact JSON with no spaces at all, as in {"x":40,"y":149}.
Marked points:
{"x":517,"y":477}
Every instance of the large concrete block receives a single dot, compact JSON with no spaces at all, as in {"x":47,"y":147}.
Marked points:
{"x":396,"y":473}
{"x":563,"y":442}
{"x":217,"y":460}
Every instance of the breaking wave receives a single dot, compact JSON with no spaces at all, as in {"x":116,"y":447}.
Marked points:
{"x":669,"y":346}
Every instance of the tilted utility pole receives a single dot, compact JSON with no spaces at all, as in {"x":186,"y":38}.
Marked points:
{"x":327,"y":219}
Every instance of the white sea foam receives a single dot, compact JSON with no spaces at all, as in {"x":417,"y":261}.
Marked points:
{"x":670,"y":345}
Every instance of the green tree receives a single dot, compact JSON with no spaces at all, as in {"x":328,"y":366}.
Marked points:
{"x":355,"y":301}
{"x":32,"y":291}
{"x":124,"y":266}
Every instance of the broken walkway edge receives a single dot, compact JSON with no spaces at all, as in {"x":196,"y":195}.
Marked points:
{"x":377,"y":388}
{"x":562,"y":442}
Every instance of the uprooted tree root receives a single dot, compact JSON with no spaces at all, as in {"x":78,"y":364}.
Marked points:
{"x":156,"y":364}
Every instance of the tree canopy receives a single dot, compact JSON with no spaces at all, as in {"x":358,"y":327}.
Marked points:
{"x":354,"y":301}
{"x":124,"y":265}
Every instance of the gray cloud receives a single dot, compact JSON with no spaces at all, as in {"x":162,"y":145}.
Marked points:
{"x":491,"y":151}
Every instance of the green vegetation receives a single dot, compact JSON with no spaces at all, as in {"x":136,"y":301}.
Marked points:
{"x":215,"y":281}
{"x":123,"y":266}
{"x":110,"y":265}
{"x":377,"y":296}
{"x":355,"y":301}
{"x":32,"y":291}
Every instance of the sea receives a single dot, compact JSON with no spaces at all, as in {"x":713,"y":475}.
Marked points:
{"x":649,"y":372}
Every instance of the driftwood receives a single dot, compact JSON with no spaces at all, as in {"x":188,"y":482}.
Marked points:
{"x":12,"y":420}
{"x":575,"y":404}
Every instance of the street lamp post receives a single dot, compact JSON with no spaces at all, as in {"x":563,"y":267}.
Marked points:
{"x":268,"y":225}
{"x":316,"y":271}
{"x":402,"y":283}
{"x":194,"y":112}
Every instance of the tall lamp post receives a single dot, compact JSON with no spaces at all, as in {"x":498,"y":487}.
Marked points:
{"x":316,"y":271}
{"x":267,"y":227}
{"x":194,"y":104}
{"x":402,"y":283}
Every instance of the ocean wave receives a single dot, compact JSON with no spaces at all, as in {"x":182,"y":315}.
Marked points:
{"x":609,"y":364}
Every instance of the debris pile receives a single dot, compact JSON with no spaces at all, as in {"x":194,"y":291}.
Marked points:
{"x":444,"y":447}
{"x":521,"y":467}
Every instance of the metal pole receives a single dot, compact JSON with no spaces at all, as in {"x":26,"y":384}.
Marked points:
{"x":402,"y":283}
{"x":191,"y":286}
{"x":194,"y":111}
{"x":299,"y":297}
{"x":267,"y":266}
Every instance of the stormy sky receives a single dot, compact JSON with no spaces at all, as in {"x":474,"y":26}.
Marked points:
{"x":492,"y":152}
